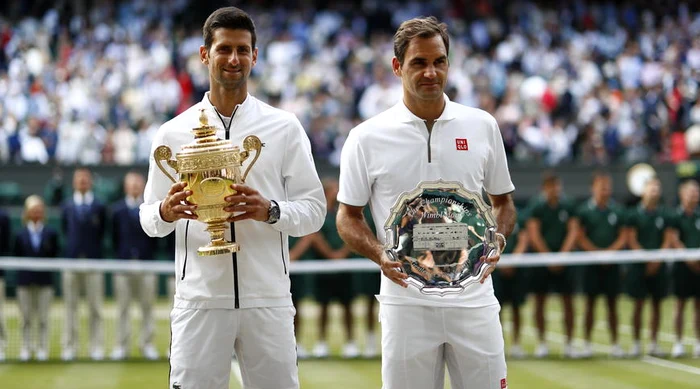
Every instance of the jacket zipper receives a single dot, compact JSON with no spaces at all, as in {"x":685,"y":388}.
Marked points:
{"x":284,"y":263}
{"x":234,"y":260}
{"x":184,"y":265}
{"x":234,"y":255}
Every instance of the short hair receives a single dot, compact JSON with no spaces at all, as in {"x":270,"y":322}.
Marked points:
{"x":29,"y":203}
{"x":687,"y":184}
{"x":228,"y":17}
{"x":600,"y":174}
{"x":423,"y":27}
{"x":549,"y":178}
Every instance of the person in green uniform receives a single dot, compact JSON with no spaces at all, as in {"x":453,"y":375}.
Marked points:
{"x":600,"y":225}
{"x":509,"y":283}
{"x":647,"y":228}
{"x":302,"y":284}
{"x":550,"y":228}
{"x":686,"y":275}
{"x":367,"y":285}
{"x":333,"y":286}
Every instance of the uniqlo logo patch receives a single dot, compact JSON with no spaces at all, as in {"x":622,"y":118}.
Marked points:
{"x":504,"y":384}
{"x":462,"y":144}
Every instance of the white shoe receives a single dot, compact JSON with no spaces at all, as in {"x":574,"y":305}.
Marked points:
{"x":24,"y":354}
{"x":678,"y":350}
{"x":635,"y":350}
{"x":655,"y":350}
{"x":586,"y":351}
{"x":118,"y":354}
{"x":350,"y":350}
{"x":68,"y":354}
{"x":696,"y":350}
{"x":302,"y":353}
{"x":321,"y":350}
{"x":569,"y":352}
{"x":542,"y":351}
{"x":97,"y":354}
{"x":517,"y":352}
{"x":616,"y":351}
{"x":42,"y":355}
{"x":150,"y":352}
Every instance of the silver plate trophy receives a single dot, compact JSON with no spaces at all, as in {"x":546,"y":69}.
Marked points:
{"x":440,"y":232}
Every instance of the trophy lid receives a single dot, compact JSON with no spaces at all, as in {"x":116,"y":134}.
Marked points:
{"x":205,"y":140}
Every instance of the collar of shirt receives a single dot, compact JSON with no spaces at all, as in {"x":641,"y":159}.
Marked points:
{"x":133,"y":202}
{"x":35,"y":228}
{"x":405,"y":115}
{"x":242,"y":106}
{"x":80,"y":199}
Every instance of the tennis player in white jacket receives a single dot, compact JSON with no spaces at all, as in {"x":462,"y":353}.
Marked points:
{"x":237,"y":301}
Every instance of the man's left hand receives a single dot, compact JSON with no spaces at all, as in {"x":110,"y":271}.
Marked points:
{"x":249,"y":201}
{"x":492,"y":260}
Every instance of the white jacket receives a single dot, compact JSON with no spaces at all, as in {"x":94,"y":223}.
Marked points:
{"x":256,"y":276}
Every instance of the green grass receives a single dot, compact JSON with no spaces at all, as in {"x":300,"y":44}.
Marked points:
{"x":554,"y":373}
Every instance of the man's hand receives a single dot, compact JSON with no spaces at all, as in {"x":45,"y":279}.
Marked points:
{"x":652,"y":268}
{"x":492,"y":260}
{"x":392,"y":270}
{"x":175,"y":205}
{"x":249,"y":201}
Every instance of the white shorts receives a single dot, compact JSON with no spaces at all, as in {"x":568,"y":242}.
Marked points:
{"x":203,"y":342}
{"x":417,"y":342}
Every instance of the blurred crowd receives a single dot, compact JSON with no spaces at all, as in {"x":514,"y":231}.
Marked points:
{"x":587,"y":82}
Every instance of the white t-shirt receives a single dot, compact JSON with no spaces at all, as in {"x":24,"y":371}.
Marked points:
{"x":393,"y":152}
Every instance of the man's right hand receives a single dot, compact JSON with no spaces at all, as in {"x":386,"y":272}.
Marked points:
{"x":175,"y":205}
{"x":392,"y":270}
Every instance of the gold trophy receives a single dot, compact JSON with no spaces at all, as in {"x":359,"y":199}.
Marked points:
{"x":210,"y":166}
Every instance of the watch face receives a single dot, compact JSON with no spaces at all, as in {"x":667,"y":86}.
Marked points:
{"x":273,"y":214}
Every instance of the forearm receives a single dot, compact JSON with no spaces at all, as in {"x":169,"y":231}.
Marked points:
{"x":539,"y":244}
{"x":619,"y":243}
{"x":633,"y":241}
{"x":505,"y":214}
{"x":586,"y":244}
{"x":359,"y":237}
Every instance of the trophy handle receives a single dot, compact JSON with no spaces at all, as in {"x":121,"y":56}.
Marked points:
{"x":163,"y":153}
{"x":251,"y":142}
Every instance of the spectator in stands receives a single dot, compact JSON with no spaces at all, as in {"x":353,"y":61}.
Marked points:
{"x":35,"y":288}
{"x":83,"y":226}
{"x":599,"y":223}
{"x":647,"y":228}
{"x":130,"y":242}
{"x":510,"y":283}
{"x":579,"y":64}
{"x":4,"y":250}
{"x":335,"y":286}
{"x":551,"y":229}
{"x":685,"y":221}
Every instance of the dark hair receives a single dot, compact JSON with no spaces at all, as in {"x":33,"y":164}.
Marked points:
{"x":228,"y":17}
{"x":549,"y":178}
{"x":600,"y":174}
{"x":418,"y":27}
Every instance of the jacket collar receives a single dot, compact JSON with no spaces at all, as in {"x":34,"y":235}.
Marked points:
{"x":406,"y":116}
{"x":242,"y":107}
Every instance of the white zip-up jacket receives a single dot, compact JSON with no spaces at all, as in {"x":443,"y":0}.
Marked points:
{"x":258,"y":275}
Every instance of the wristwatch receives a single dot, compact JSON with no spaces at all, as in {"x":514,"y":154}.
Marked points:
{"x":273,"y":213}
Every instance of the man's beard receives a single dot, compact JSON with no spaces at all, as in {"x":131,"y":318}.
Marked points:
{"x":230,"y":84}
